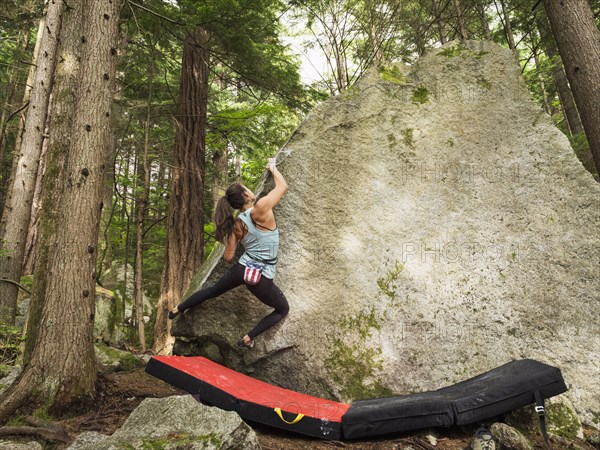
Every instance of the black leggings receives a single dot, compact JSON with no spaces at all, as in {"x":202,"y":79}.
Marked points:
{"x":266,"y":291}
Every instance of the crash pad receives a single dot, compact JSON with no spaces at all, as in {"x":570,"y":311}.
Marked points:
{"x":498,"y":391}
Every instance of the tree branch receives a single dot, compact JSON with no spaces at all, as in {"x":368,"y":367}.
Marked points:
{"x":168,"y":19}
{"x":13,"y":114}
{"x":16,"y":284}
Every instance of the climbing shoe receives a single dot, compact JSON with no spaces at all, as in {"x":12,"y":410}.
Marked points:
{"x":173,"y":314}
{"x":483,"y":440}
{"x":242,"y":344}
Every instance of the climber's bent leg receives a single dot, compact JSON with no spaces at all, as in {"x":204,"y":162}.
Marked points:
{"x":231,"y":279}
{"x":268,"y":293}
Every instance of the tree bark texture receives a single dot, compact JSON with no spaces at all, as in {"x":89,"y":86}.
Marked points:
{"x":13,"y":105}
{"x":17,"y":209}
{"x":441,"y":24}
{"x":578,"y":42}
{"x":60,"y":124}
{"x":460,"y":21}
{"x":61,"y":370}
{"x":485,"y":26}
{"x":185,"y":240}
{"x":560,"y":79}
{"x":22,"y":113}
{"x":507,"y":26}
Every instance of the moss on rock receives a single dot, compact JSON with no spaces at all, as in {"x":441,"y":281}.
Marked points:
{"x":420,"y":95}
{"x":352,"y":366}
{"x":393,"y":74}
{"x":563,"y":421}
{"x":407,"y":137}
{"x":117,"y":359}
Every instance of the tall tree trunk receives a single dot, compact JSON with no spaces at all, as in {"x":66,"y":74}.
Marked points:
{"x":534,"y":52}
{"x":507,"y":26}
{"x":340,"y":61}
{"x":142,"y":212}
{"x":441,"y":24}
{"x":27,"y":94}
{"x":459,"y":18}
{"x":238,"y":168}
{"x":11,"y":105}
{"x":61,"y":371}
{"x":36,"y":208}
{"x":186,"y":216}
{"x":126,"y":217}
{"x":485,"y":26}
{"x":61,"y":116}
{"x":219,"y":161}
{"x":578,"y":41}
{"x":220,"y":167}
{"x":17,"y":210}
{"x":374,"y":38}
{"x":560,"y":79}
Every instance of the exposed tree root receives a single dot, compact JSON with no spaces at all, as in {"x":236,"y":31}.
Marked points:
{"x":49,"y":431}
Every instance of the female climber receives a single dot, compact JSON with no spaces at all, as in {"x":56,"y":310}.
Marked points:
{"x":255,"y":228}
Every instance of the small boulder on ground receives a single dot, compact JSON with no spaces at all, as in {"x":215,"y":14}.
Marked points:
{"x":509,"y":438}
{"x":175,"y":422}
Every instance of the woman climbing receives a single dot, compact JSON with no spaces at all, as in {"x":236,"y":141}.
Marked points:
{"x":257,"y":231}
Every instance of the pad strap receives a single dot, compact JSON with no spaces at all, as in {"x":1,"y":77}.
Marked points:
{"x":296,"y":420}
{"x":541,"y":411}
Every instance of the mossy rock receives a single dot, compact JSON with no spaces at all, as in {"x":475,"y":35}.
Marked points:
{"x":393,"y":74}
{"x":420,"y":95}
{"x":113,"y":360}
{"x":563,"y":421}
{"x":458,"y":50}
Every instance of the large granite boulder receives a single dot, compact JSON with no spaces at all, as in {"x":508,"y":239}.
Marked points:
{"x":437,"y":225}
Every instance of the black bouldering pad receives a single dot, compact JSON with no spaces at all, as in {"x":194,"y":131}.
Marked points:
{"x":477,"y":399}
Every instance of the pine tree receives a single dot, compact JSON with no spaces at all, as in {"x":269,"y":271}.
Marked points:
{"x":60,"y":370}
{"x":578,"y":40}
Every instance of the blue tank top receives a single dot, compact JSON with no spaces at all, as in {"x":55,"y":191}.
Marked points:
{"x":259,"y":245}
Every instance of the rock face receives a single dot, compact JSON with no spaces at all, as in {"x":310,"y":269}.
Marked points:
{"x":177,"y":422}
{"x":437,"y":225}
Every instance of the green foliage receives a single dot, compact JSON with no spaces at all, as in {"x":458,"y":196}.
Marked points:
{"x":245,"y":38}
{"x":5,"y":369}
{"x":11,"y":338}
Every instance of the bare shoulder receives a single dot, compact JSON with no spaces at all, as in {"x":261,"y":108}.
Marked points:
{"x":262,"y":210}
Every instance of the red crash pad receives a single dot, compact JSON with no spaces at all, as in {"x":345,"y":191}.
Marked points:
{"x":252,"y":399}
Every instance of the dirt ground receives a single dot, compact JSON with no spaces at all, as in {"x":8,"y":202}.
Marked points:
{"x":120,"y":393}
